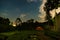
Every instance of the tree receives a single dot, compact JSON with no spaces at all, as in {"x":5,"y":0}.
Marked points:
{"x":1,"y":20}
{"x":31,"y":24}
{"x":30,"y":21}
{"x":50,"y":5}
{"x":6,"y":21}
{"x":18,"y":21}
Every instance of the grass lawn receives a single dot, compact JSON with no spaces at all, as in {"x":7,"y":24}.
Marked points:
{"x":26,"y":35}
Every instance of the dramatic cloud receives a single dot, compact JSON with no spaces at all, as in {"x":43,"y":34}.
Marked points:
{"x":42,"y":14}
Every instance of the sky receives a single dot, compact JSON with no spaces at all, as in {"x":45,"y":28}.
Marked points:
{"x":24,"y":9}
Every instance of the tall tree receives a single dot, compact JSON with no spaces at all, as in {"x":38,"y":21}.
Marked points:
{"x":6,"y":21}
{"x":18,"y":21}
{"x":50,"y":5}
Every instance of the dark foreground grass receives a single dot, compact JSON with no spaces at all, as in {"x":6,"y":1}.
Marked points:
{"x":29,"y":35}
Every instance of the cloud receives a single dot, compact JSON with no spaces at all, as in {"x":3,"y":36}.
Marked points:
{"x":4,"y":14}
{"x":42,"y":18}
{"x":23,"y":17}
{"x":42,"y":13}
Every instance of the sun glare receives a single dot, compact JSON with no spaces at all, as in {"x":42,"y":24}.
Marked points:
{"x":14,"y":25}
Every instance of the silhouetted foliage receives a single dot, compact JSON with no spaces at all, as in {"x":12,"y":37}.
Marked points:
{"x":50,"y":5}
{"x":4,"y":25}
{"x":27,"y":25}
{"x":4,"y":21}
{"x":18,"y":21}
